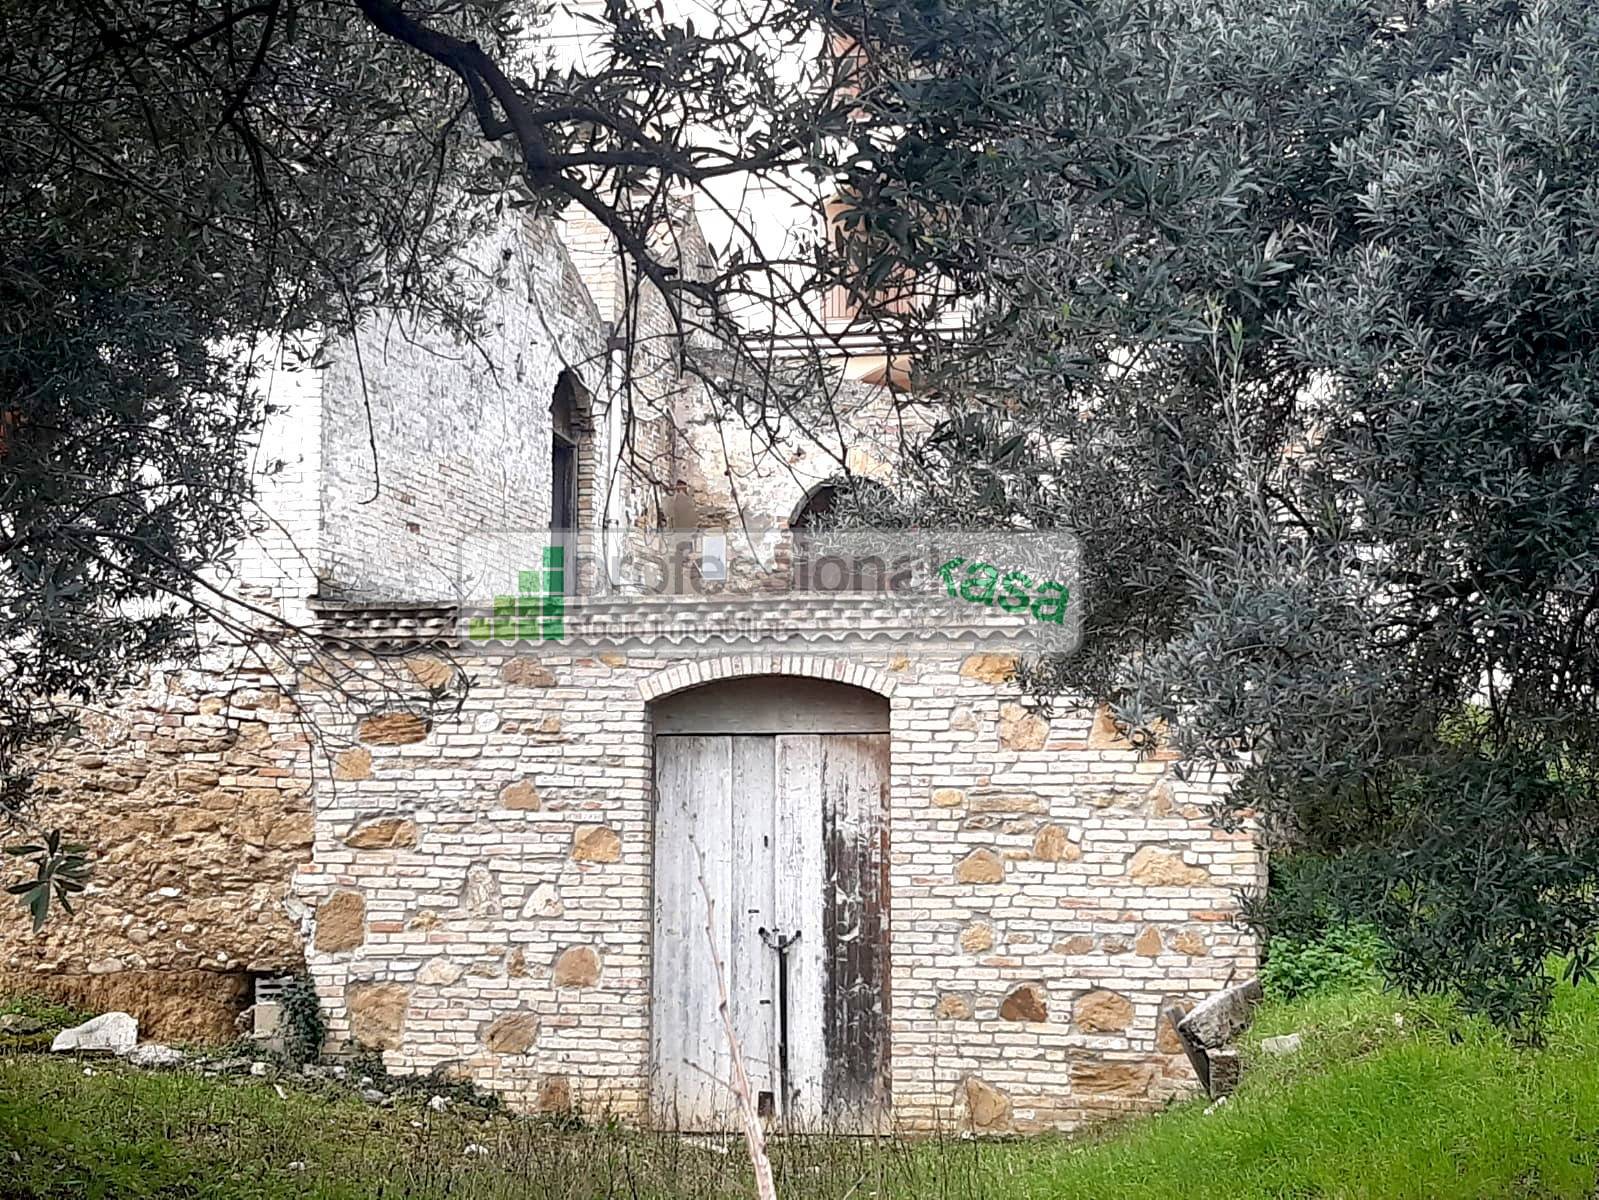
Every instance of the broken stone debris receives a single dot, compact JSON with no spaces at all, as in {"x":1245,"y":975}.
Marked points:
{"x":153,"y":1056}
{"x":109,"y":1033}
{"x":1288,"y":1043}
{"x":1219,"y":1020}
{"x":1207,"y":1032}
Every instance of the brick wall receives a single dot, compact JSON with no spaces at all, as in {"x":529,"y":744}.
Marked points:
{"x":462,"y":432}
{"x":453,"y":874}
{"x":277,"y":568}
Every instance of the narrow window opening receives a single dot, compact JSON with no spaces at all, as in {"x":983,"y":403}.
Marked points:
{"x":564,"y":465}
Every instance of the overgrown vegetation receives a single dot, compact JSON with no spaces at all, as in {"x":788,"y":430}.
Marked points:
{"x":1387,"y":1098}
{"x":31,"y":1022}
{"x":304,"y":1027}
{"x":1286,"y":310}
{"x":1343,"y":958}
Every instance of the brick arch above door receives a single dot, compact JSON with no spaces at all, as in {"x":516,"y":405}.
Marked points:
{"x":813,"y":666}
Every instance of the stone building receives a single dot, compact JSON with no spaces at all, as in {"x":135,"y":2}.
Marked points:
{"x":506,"y":852}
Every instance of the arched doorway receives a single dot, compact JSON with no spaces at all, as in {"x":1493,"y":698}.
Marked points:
{"x":771,"y":795}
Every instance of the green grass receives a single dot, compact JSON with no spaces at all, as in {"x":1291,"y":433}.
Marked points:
{"x":1438,"y":1107}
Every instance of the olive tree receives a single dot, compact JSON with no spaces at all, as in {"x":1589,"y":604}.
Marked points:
{"x":1289,"y":312}
{"x":188,"y":188}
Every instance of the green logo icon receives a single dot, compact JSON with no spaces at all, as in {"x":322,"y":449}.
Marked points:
{"x":537,"y":613}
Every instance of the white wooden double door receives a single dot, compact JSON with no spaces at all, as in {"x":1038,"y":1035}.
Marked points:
{"x":765,"y":840}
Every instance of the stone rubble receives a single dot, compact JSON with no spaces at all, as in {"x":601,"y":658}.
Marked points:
{"x":1288,"y":1043}
{"x":153,"y":1056}
{"x":1207,"y":1033}
{"x":1218,"y":1020}
{"x":111,"y":1033}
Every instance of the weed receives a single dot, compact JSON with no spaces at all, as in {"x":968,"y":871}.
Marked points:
{"x":1432,"y":1105}
{"x":30,"y":1022}
{"x":1340,"y":958}
{"x":300,"y":1014}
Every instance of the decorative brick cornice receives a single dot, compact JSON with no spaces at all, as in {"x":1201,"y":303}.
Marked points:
{"x":702,"y":626}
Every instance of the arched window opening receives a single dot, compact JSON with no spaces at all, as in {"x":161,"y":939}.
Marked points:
{"x":569,"y":469}
{"x":563,"y":455}
{"x":827,"y":557}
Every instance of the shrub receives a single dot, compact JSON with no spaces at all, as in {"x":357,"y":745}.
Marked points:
{"x":1342,"y":957}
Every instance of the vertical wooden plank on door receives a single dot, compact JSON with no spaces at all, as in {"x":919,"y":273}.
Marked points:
{"x":799,"y":908}
{"x":856,"y":1010}
{"x":693,"y":788}
{"x":669,"y":1025}
{"x":751,"y":966}
{"x":713,"y":856}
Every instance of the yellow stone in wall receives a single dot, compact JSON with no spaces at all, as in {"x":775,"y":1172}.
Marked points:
{"x":340,"y":922}
{"x":521,"y":796}
{"x":1155,"y":867}
{"x":385,"y":833}
{"x":1112,"y":1078}
{"x":1020,"y":729}
{"x":1050,"y":844}
{"x":392,"y":729}
{"x":1190,"y":943}
{"x":577,"y":967}
{"x":975,"y":939}
{"x":512,"y":1034}
{"x":431,"y":672}
{"x":1102,"y":1011}
{"x":377,"y":1014}
{"x":988,"y":1108}
{"x":596,"y":843}
{"x":527,"y":672}
{"x":980,"y":866}
{"x":353,"y":764}
{"x":990,"y":668}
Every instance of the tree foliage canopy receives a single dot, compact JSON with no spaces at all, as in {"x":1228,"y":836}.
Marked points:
{"x":1289,"y":311}
{"x":179,"y":184}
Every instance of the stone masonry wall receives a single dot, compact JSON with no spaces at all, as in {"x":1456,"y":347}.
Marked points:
{"x":192,"y":793}
{"x":193,"y":798}
{"x":482,"y":887}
